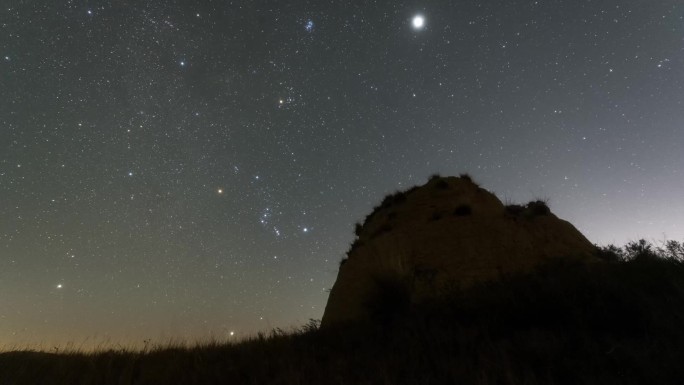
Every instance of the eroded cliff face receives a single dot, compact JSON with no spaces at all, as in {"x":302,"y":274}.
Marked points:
{"x":449,"y":232}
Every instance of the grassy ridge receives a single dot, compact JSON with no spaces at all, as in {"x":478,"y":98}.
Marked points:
{"x":616,"y":322}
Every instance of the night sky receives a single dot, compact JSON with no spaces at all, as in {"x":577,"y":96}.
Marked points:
{"x":184,"y":170}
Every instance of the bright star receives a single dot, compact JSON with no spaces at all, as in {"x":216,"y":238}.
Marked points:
{"x":59,"y":286}
{"x":220,"y":191}
{"x":418,"y":22}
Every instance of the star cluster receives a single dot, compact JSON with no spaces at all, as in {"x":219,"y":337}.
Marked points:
{"x":192,"y":169}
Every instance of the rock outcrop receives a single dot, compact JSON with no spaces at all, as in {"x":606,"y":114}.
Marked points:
{"x":449,"y":232}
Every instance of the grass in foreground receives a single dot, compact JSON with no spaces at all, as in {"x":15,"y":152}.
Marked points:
{"x":616,"y":322}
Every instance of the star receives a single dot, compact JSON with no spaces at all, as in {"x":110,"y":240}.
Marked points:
{"x":418,"y":22}
{"x":59,"y":286}
{"x":219,"y":191}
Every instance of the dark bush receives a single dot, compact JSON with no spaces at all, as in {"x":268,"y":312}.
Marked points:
{"x":639,"y":249}
{"x":388,"y":201}
{"x":434,"y":177}
{"x":537,"y":208}
{"x":610,"y":253}
{"x":515,"y":210}
{"x":466,"y":177}
{"x":393,"y":199}
{"x":673,"y":250}
{"x":531,"y":210}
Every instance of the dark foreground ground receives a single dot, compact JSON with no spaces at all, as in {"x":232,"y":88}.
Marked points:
{"x":616,"y":322}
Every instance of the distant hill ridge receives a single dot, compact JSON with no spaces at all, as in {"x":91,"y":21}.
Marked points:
{"x":449,"y":233}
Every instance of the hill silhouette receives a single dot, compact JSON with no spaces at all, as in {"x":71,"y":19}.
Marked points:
{"x":449,"y":233}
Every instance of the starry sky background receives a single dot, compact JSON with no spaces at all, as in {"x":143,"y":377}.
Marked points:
{"x":174,"y":169}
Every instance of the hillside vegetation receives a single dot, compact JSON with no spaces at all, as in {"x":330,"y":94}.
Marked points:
{"x":619,"y":321}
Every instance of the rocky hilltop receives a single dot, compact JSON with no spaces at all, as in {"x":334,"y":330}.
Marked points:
{"x":447,"y":233}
